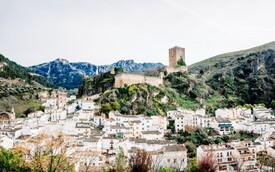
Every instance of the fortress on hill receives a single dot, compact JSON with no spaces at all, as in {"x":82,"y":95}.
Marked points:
{"x":176,"y":64}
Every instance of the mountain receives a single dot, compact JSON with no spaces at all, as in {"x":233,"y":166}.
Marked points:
{"x":247,"y":75}
{"x":19,"y":87}
{"x":12,"y":70}
{"x":60,"y":72}
{"x":69,"y":75}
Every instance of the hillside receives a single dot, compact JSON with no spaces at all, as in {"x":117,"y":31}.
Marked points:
{"x":69,"y":75}
{"x":227,"y":80}
{"x":19,"y":87}
{"x":247,"y":75}
{"x":179,"y":90}
{"x":10,"y":69}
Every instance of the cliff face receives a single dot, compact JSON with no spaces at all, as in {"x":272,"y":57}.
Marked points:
{"x":247,"y":76}
{"x":61,"y":73}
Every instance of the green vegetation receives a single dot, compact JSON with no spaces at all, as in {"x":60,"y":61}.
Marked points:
{"x":12,"y":70}
{"x":98,"y":83}
{"x":151,"y":100}
{"x":12,"y":161}
{"x":181,"y":62}
{"x":227,"y":57}
{"x":225,"y":81}
{"x":179,"y":90}
{"x":19,"y":88}
{"x":192,"y":138}
{"x":21,"y":107}
{"x":241,"y":77}
{"x":192,"y":165}
{"x":47,"y":158}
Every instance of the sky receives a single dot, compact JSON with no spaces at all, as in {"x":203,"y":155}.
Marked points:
{"x":105,"y":31}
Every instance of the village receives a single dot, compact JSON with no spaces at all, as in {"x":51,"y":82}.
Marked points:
{"x":99,"y":137}
{"x":94,"y":139}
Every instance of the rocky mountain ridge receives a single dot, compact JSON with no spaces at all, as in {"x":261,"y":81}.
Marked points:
{"x":69,"y":75}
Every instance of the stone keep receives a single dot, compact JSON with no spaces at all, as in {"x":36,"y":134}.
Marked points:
{"x":175,"y":54}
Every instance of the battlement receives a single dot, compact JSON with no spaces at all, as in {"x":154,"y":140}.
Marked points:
{"x":129,"y":79}
{"x":169,"y":69}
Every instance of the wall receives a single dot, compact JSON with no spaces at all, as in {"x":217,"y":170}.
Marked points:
{"x":129,"y":79}
{"x":175,"y":69}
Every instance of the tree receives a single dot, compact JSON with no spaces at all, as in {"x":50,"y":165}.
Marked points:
{"x":141,"y":161}
{"x":12,"y":160}
{"x":207,"y":163}
{"x":192,"y":165}
{"x":272,"y":104}
{"x":181,"y":62}
{"x":115,"y":106}
{"x":121,"y":161}
{"x":50,"y":154}
{"x":86,"y":159}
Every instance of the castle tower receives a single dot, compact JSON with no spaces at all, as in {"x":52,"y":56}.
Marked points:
{"x":175,"y":54}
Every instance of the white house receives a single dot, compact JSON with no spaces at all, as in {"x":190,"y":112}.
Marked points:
{"x":52,"y":102}
{"x":223,"y":126}
{"x":88,"y":105}
{"x":99,"y":120}
{"x":170,"y":156}
{"x":6,"y":142}
{"x":154,"y":135}
{"x":222,"y":155}
{"x":58,"y":115}
{"x":92,"y":144}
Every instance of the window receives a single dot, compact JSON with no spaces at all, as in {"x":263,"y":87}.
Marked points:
{"x":222,"y":167}
{"x":168,"y":160}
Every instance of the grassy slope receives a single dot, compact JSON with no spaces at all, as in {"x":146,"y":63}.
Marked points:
{"x":237,"y":77}
{"x":227,"y":57}
{"x":20,"y":106}
{"x":19,"y":87}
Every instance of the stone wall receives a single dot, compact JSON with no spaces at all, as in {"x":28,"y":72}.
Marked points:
{"x":175,"y":69}
{"x":129,"y":79}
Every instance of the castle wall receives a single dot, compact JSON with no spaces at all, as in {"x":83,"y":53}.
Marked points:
{"x":175,"y":69}
{"x":129,"y":79}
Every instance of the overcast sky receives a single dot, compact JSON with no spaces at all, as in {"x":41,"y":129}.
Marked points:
{"x":105,"y":31}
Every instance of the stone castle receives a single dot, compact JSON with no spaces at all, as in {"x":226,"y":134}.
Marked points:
{"x":175,"y":54}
